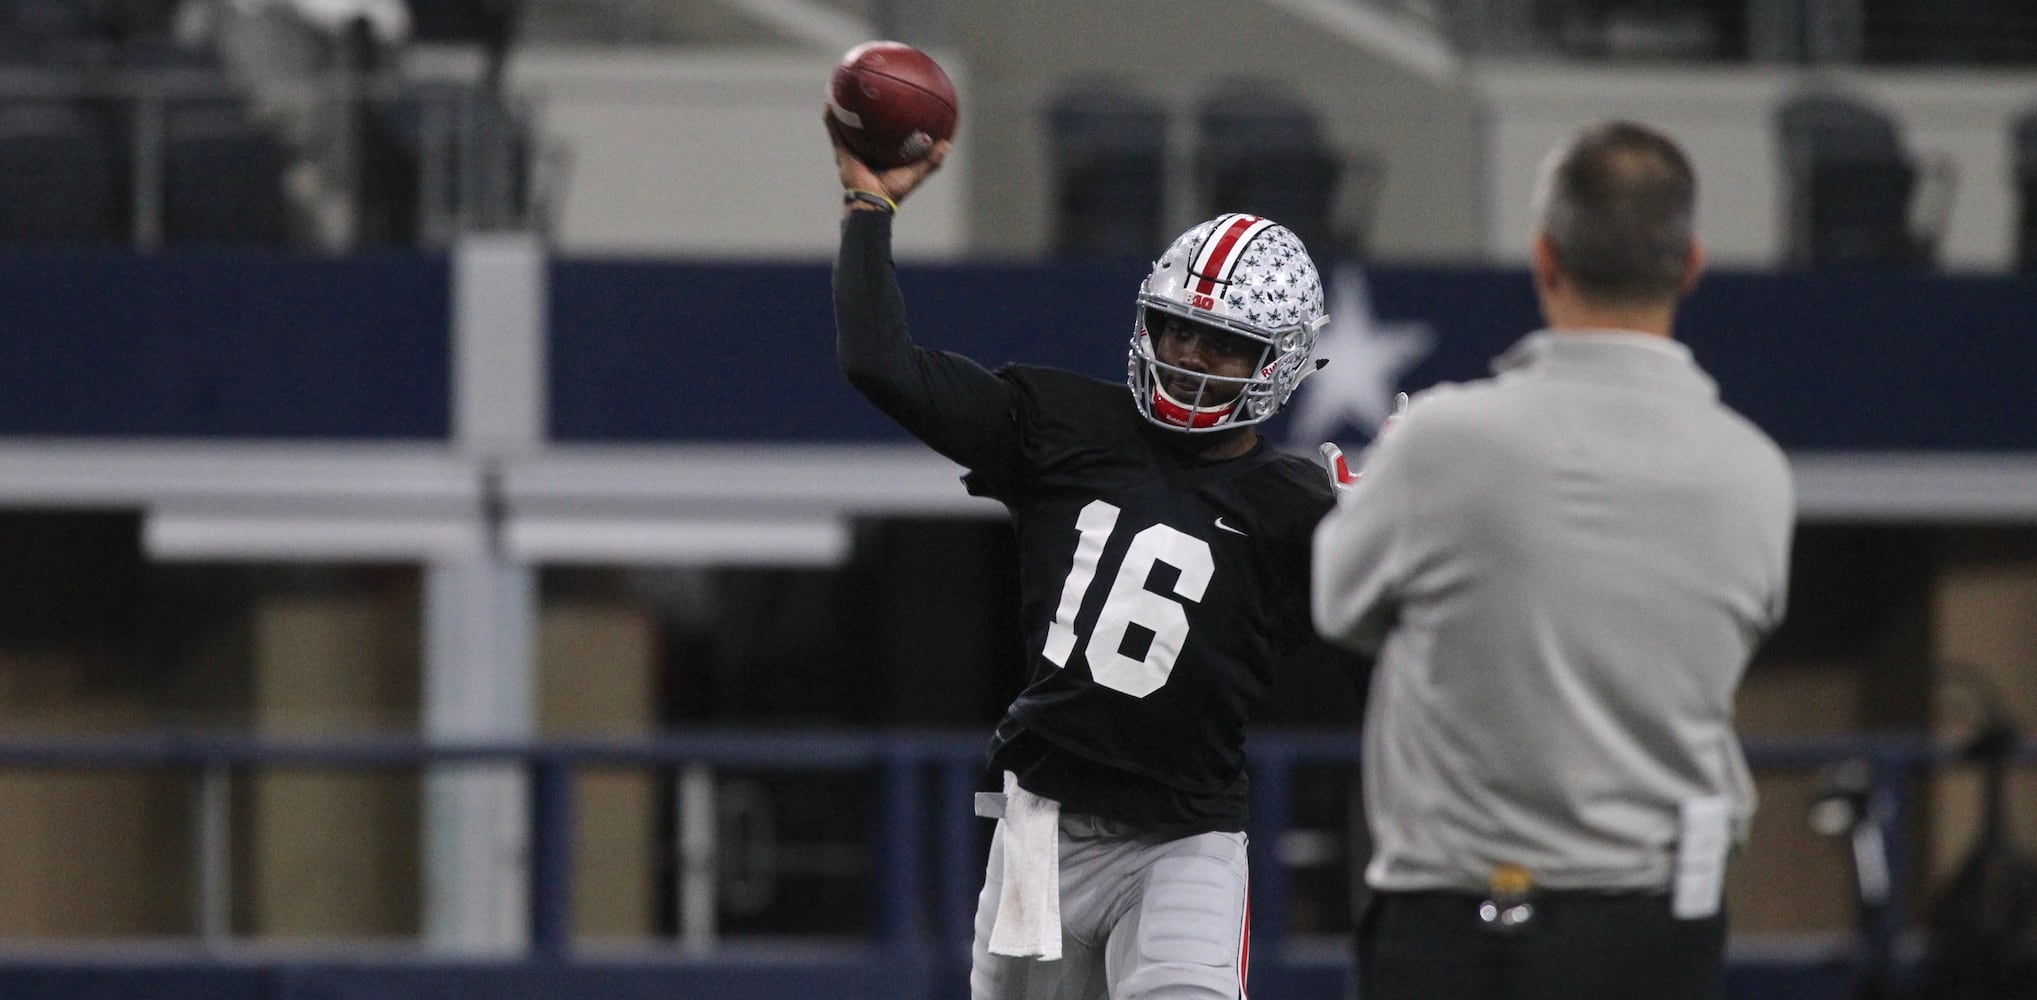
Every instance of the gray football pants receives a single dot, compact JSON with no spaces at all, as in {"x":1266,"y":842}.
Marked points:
{"x":1141,"y":919}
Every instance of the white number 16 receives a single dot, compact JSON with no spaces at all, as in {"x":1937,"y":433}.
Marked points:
{"x":1129,"y":602}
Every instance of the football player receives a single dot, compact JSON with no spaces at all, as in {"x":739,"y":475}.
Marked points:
{"x":1163,"y":563}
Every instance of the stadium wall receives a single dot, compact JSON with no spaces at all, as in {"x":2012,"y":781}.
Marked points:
{"x":714,"y":153}
{"x":690,"y":394}
{"x":1963,"y":120}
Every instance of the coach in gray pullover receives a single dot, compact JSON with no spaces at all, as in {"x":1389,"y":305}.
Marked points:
{"x":1562,"y":572}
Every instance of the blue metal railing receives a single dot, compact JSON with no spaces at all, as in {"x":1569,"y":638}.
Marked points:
{"x":901,"y":760}
{"x":928,"y":859}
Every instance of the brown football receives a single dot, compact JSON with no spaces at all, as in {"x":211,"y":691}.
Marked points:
{"x":890,"y":102}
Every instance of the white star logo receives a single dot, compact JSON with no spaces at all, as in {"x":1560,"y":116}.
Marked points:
{"x":1367,"y":360}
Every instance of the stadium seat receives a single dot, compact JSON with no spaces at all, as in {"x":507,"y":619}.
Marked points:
{"x":439,"y":157}
{"x":59,"y":175}
{"x":152,"y":54}
{"x":393,"y":140}
{"x":2023,"y":155}
{"x":492,"y":24}
{"x":1849,"y":184}
{"x":44,"y":20}
{"x":222,"y":177}
{"x":1109,"y":151}
{"x":1261,"y":150}
{"x":465,"y":20}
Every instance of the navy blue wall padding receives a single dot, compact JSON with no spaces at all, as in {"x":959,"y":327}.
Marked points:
{"x":1861,"y":359}
{"x":650,"y":352}
{"x":242,"y":344}
{"x":280,"y":345}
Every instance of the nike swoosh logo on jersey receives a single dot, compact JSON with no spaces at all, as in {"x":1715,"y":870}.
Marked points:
{"x":1221,"y":526}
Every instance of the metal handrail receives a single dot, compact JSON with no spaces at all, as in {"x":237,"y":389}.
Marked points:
{"x":465,"y":151}
{"x":913,"y":900}
{"x":903,"y":759}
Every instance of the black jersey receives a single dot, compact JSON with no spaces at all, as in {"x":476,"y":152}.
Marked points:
{"x":1157,"y":588}
{"x":1157,"y":592}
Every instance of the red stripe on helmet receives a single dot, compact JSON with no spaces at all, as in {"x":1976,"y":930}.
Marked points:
{"x":1217,"y":257}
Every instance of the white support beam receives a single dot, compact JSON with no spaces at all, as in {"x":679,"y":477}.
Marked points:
{"x":1918,"y":487}
{"x":358,"y":501}
{"x":480,"y":613}
{"x":330,"y":537}
{"x":479,"y":618}
{"x":693,"y":541}
{"x":716,"y":480}
{"x":500,"y":292}
{"x":385,"y":478}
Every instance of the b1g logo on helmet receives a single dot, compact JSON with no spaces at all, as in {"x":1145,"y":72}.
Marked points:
{"x":1201,"y":301}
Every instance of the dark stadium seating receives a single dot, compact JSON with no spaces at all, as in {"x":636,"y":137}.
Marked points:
{"x":1261,"y":150}
{"x":43,"y":20}
{"x":439,"y":155}
{"x":2023,"y":156}
{"x":59,"y":175}
{"x":492,"y":24}
{"x":222,"y":177}
{"x":112,"y":130}
{"x":1109,"y":151}
{"x":1849,"y":183}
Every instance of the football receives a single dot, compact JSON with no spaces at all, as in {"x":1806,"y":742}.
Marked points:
{"x":890,"y":102}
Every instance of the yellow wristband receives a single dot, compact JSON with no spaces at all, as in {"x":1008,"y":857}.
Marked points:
{"x":877,"y":198}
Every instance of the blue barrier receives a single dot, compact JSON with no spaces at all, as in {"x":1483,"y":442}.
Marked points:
{"x":232,"y":344}
{"x":929,"y":869}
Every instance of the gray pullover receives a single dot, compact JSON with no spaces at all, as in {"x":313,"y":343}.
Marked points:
{"x":1562,"y":572}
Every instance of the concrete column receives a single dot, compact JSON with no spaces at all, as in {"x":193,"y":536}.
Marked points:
{"x":499,"y":344}
{"x":478,"y":682}
{"x":480,"y":612}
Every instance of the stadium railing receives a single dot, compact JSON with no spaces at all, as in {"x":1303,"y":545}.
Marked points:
{"x":926,"y":866}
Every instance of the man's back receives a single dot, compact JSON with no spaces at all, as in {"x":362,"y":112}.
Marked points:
{"x":1563,"y":571}
{"x":1599,"y":545}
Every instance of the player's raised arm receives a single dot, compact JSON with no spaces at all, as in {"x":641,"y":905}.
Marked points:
{"x":952,"y":403}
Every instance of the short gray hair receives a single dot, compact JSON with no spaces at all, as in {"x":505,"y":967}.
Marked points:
{"x":1616,"y":203}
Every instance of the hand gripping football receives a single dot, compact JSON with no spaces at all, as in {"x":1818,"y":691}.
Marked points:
{"x":890,"y":103}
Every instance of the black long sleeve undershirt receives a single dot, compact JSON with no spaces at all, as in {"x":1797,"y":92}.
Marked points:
{"x":955,"y":405}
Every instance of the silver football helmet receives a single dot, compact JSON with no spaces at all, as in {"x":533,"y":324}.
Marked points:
{"x":1243,"y":275}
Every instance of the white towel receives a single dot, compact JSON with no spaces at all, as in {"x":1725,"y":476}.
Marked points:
{"x":1029,"y":908}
